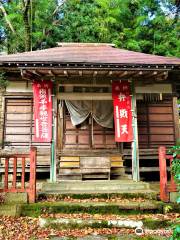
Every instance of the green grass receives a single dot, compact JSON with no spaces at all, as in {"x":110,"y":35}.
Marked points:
{"x":59,"y":197}
{"x":35,"y":210}
{"x":156,"y":224}
{"x":73,"y":225}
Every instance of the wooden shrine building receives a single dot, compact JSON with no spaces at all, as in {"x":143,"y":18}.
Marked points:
{"x":83,"y":139}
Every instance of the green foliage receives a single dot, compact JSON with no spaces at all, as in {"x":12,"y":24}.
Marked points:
{"x":138,"y":25}
{"x":175,"y":150}
{"x":42,"y":20}
{"x":156,"y":224}
{"x":176,"y":233}
{"x":3,"y":80}
{"x":135,"y":25}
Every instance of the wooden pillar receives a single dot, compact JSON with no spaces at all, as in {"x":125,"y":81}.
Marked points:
{"x":164,"y":196}
{"x":135,"y":146}
{"x":32,"y":181}
{"x":23,"y":174}
{"x":6,"y":183}
{"x":53,"y":144}
{"x":14,"y":173}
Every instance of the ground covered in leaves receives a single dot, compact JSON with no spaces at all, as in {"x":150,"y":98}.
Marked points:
{"x":115,"y":199}
{"x":23,"y":228}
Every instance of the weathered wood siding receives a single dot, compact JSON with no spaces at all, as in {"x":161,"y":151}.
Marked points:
{"x":156,"y":124}
{"x":18,"y":132}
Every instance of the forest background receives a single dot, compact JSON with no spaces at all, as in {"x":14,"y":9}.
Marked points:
{"x":149,"y":26}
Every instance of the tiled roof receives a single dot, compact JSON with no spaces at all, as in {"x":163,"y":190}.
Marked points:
{"x":88,"y":53}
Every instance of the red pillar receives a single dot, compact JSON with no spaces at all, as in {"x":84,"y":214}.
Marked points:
{"x":32,"y":182}
{"x":164,"y":196}
{"x":23,"y":174}
{"x":6,"y":174}
{"x":14,"y":173}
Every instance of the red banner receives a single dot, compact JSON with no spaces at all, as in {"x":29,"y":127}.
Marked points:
{"x":122,"y":111}
{"x":42,"y":111}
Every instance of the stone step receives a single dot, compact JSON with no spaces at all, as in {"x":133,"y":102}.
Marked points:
{"x":99,"y":186}
{"x":82,"y":223}
{"x":119,"y":208}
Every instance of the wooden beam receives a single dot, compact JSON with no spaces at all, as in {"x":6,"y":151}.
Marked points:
{"x":35,"y":72}
{"x":66,"y":73}
{"x":80,"y":73}
{"x":84,"y":85}
{"x":122,"y":74}
{"x":51,"y":73}
{"x":110,"y":73}
{"x":95,"y":73}
{"x":162,"y":76}
{"x":84,"y":96}
{"x":137,"y":74}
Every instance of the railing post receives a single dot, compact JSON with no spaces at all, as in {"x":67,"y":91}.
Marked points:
{"x":164,"y":196}
{"x":23,"y":174}
{"x":32,"y":182}
{"x":6,"y":174}
{"x":14,"y":172}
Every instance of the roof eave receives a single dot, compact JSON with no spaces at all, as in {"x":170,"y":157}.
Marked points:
{"x":82,"y":65}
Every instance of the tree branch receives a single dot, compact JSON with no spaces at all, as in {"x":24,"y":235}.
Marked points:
{"x":6,"y":18}
{"x":59,"y":6}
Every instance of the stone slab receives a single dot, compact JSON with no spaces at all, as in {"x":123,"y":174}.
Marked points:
{"x":10,"y":210}
{"x":15,"y":198}
{"x":96,"y":186}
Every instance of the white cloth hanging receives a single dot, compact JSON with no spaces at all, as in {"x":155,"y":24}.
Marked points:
{"x":101,"y":111}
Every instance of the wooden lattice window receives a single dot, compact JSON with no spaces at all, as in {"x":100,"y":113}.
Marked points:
{"x":19,"y":123}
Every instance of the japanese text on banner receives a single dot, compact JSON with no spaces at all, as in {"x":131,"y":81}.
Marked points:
{"x":42,"y":111}
{"x":122,"y":111}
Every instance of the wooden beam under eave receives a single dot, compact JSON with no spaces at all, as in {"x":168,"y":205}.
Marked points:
{"x":138,"y":74}
{"x":51,"y":73}
{"x":163,"y":75}
{"x":84,"y":96}
{"x":66,"y":73}
{"x":144,"y":74}
{"x":110,"y":73}
{"x":95,"y":73}
{"x":122,"y":74}
{"x":30,"y":75}
{"x":80,"y":73}
{"x":35,"y":72}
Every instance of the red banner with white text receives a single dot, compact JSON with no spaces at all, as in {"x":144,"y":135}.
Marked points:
{"x":42,"y":91}
{"x":122,"y":111}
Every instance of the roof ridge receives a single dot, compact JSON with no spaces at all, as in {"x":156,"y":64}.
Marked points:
{"x":79,"y":44}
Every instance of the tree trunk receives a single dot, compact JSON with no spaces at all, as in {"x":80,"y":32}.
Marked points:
{"x":27,"y":26}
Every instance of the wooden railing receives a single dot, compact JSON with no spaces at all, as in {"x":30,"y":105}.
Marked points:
{"x":15,"y":161}
{"x":164,"y":188}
